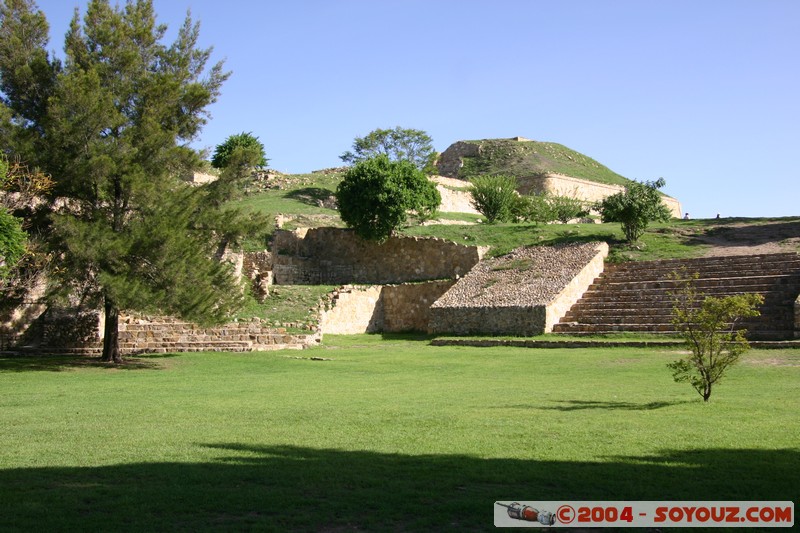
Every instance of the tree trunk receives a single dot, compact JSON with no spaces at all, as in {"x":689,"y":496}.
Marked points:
{"x":111,"y":333}
{"x":707,"y":392}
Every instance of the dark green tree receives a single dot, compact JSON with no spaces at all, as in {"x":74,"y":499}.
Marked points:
{"x":112,"y":126}
{"x":635,"y":208}
{"x":12,"y":242}
{"x":28,"y":73}
{"x":398,"y":144}
{"x":376,"y":196}
{"x":246,"y":145}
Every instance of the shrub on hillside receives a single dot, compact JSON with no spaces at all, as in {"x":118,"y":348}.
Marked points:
{"x":376,"y":196}
{"x":635,"y":208}
{"x":496,"y":197}
{"x":566,"y":208}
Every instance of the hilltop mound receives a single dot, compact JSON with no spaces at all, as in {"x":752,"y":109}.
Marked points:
{"x":522,"y":158}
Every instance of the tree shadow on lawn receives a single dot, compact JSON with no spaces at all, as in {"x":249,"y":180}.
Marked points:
{"x":313,"y":196}
{"x":287,"y":488}
{"x":60,"y":363}
{"x":580,"y":405}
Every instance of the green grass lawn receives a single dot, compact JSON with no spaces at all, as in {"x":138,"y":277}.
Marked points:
{"x":387,"y":434}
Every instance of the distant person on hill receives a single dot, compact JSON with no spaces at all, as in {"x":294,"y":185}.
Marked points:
{"x":686,"y":216}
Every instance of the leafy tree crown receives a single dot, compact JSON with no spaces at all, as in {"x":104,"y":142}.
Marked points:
{"x":376,"y":196}
{"x":635,"y":208}
{"x":398,"y":144}
{"x":246,"y":144}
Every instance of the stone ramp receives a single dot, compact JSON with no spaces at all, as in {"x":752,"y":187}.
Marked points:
{"x":522,"y":293}
{"x":634,"y":297}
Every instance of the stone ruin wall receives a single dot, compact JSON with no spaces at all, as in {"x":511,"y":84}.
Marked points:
{"x":68,"y":331}
{"x":588,"y":191}
{"x":797,"y":318}
{"x":383,"y":308}
{"x":144,"y":334}
{"x":495,"y":320}
{"x":455,"y":194}
{"x":333,"y":256}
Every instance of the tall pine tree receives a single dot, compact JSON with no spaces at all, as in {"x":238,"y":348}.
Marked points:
{"x":112,"y":125}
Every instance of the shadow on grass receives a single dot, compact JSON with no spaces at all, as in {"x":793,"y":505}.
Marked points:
{"x":313,"y":196}
{"x":753,"y":234}
{"x":286,"y":488}
{"x":60,"y":363}
{"x":580,"y":405}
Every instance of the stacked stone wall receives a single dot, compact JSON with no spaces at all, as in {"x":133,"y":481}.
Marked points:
{"x":337,"y":256}
{"x":164,"y":334}
{"x":492,"y":320}
{"x":408,"y":307}
{"x":355,"y":310}
{"x":387,"y":309}
{"x":797,"y":318}
{"x":68,"y":331}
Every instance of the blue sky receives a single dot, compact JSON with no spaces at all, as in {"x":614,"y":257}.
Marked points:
{"x":703,"y":93}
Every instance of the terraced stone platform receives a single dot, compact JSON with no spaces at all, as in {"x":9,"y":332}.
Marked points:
{"x":634,"y":297}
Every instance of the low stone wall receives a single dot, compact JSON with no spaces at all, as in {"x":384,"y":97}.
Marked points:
{"x":387,"y":309}
{"x":407,"y":307}
{"x":68,"y":331}
{"x":165,"y":334}
{"x":333,"y":256}
{"x":489,"y":320}
{"x":355,"y":310}
{"x":589,"y":191}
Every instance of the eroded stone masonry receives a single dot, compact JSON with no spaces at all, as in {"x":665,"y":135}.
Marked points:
{"x":332,"y":256}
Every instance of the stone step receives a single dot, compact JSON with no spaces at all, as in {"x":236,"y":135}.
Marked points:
{"x":770,"y":311}
{"x":595,"y":329}
{"x":755,"y":322}
{"x":701,"y":274}
{"x":637,"y":296}
{"x":653,"y":297}
{"x":702,"y":285}
{"x":735,"y":261}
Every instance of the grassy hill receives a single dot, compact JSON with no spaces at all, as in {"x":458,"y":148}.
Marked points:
{"x":529,"y":158}
{"x":301,"y":199}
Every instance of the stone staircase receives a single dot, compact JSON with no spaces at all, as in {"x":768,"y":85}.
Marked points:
{"x":634,"y":297}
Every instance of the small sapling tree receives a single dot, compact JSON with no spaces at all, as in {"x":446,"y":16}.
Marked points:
{"x":495,"y":197}
{"x":708,"y":326}
{"x":376,"y":195}
{"x":635,"y":208}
